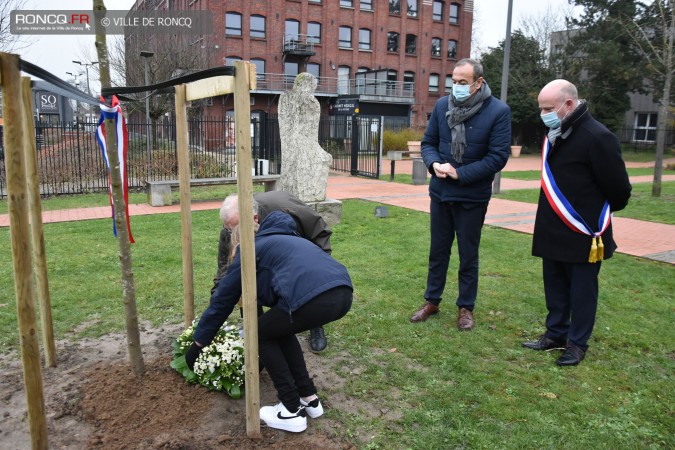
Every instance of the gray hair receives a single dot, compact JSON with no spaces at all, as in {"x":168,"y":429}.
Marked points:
{"x":230,"y":208}
{"x":477,"y":67}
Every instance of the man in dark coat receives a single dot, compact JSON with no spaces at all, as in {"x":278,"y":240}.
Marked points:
{"x":467,"y":141}
{"x":309,"y":223}
{"x":584,"y":179}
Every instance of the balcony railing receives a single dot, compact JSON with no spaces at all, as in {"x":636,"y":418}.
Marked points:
{"x":329,"y":86}
{"x":300,"y":44}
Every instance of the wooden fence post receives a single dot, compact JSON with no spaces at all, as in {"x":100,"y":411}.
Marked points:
{"x":15,"y":165}
{"x":39,"y":253}
{"x":242,"y":120}
{"x":183,"y":150}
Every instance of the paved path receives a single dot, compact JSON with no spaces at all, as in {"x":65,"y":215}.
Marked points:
{"x":635,"y":237}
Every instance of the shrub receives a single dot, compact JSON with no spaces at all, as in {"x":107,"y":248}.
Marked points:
{"x":398,"y":140}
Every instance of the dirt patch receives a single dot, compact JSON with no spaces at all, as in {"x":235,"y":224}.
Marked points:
{"x":93,"y":401}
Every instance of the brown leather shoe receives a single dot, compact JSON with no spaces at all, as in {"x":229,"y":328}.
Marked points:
{"x":422,"y":314}
{"x":464,"y":319}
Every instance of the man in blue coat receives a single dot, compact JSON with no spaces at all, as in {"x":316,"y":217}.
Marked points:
{"x":467,"y":141}
{"x":584,"y":180}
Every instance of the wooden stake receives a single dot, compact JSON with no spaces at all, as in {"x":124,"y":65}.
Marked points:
{"x":242,"y":120}
{"x":185,"y":201}
{"x":37,"y":229}
{"x":15,"y":167}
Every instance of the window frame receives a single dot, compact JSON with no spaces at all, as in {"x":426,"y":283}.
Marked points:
{"x":450,"y":47}
{"x":412,"y":8}
{"x":228,"y":25}
{"x":434,"y":87}
{"x":365,"y":45}
{"x":312,"y":38}
{"x":340,"y":40}
{"x":439,"y":47}
{"x":408,"y":44}
{"x":368,"y":5}
{"x":647,"y":129}
{"x":391,"y":34}
{"x":251,"y":29}
{"x":456,"y":6}
{"x":434,"y":16}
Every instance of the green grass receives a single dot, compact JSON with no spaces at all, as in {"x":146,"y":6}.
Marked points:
{"x":641,"y":205}
{"x":421,"y":386}
{"x":536,"y":174}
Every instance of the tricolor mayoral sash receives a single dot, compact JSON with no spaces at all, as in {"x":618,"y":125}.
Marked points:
{"x":568,"y":215}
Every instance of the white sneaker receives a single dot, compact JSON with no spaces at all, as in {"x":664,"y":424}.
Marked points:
{"x":313,"y":408}
{"x":279,"y":417}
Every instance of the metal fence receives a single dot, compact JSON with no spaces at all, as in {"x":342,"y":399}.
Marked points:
{"x":70,"y":160}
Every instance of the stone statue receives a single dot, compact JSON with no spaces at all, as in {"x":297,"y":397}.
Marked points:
{"x":304,"y":164}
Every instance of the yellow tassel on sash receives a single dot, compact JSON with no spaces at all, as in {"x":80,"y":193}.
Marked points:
{"x":601,"y":249}
{"x":593,"y":255}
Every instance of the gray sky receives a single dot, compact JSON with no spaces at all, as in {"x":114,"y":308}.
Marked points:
{"x":56,"y":53}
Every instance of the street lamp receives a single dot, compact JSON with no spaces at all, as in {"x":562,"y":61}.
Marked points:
{"x":146,"y":55}
{"x":77,"y":103}
{"x":86,"y":68}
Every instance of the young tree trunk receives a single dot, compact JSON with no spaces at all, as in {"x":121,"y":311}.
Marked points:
{"x":662,"y":121}
{"x":128,"y":287}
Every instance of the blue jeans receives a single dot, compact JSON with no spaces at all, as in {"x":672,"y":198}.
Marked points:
{"x":280,"y":351}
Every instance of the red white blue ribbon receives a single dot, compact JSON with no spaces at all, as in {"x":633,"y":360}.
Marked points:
{"x":115,"y":112}
{"x":563,"y":208}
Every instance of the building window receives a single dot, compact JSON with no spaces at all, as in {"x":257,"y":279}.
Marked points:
{"x":259,"y":68}
{"x":366,"y":5}
{"x":257,"y":26}
{"x":290,"y":71}
{"x":364,"y":39}
{"x":452,"y":49}
{"x":314,"y":69}
{"x":345,"y":37}
{"x":314,"y":33}
{"x":438,"y":11}
{"x":408,"y":81}
{"x":412,"y":8}
{"x":343,"y":80}
{"x":392,"y":42}
{"x":229,"y":60}
{"x":410,"y":44}
{"x":433,"y":82}
{"x":436,"y":47}
{"x":645,"y":127}
{"x":347,"y":3}
{"x":392,"y":75}
{"x":454,"y":13}
{"x":395,"y":7}
{"x":292,"y":30}
{"x":448,"y":84}
{"x":314,"y":1}
{"x":233,"y":24}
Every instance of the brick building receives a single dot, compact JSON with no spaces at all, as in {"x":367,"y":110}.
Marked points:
{"x":390,"y":58}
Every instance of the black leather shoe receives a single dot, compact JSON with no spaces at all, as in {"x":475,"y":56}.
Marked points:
{"x":573,"y":355}
{"x":546,"y":344}
{"x":317,"y":339}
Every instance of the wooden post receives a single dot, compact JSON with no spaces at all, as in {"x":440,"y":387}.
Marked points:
{"x":185,"y":200}
{"x":242,"y":119}
{"x":39,"y":253}
{"x":15,"y":165}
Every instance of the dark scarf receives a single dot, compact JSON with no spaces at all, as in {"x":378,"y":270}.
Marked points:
{"x":457,"y":114}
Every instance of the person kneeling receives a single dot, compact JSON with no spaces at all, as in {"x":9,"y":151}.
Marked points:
{"x":304,"y":288}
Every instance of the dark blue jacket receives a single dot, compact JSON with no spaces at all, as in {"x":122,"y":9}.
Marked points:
{"x":290,"y":271}
{"x":488,"y":139}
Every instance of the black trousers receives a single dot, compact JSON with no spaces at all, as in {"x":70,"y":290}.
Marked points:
{"x":571,"y":291}
{"x":280,"y":351}
{"x":465,"y":220}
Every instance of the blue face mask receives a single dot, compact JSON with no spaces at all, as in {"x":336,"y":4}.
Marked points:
{"x":461,"y":91}
{"x":551,"y":119}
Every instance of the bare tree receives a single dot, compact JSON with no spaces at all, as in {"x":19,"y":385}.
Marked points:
{"x":540,"y":26}
{"x":11,"y":42}
{"x":652,"y":31}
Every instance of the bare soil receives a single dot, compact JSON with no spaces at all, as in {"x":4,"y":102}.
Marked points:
{"x":93,"y":401}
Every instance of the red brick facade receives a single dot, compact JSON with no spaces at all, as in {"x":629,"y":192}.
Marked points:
{"x":331,"y":15}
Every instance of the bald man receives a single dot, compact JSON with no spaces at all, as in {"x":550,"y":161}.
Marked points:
{"x":584,"y":180}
